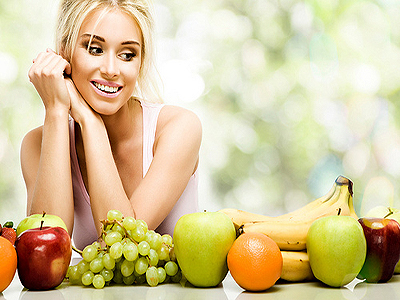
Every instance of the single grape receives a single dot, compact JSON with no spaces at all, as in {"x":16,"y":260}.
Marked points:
{"x":108,"y":261}
{"x":118,"y":262}
{"x":83,"y":266}
{"x":167,"y":239}
{"x":116,"y":250}
{"x":148,"y":236}
{"x":89,"y":253}
{"x":157,"y":241}
{"x":143,"y":224}
{"x":96,"y":265}
{"x":114,"y":215}
{"x":171,"y":268}
{"x":129,"y":223}
{"x":97,"y":244}
{"x":98,"y":281}
{"x":143,"y":248}
{"x":163,"y":252}
{"x":129,"y":280}
{"x":73,"y":275}
{"x":152,"y":276}
{"x":107,"y":274}
{"x":119,"y":229}
{"x":130,"y":251}
{"x":149,"y":233}
{"x":112,"y":237}
{"x":141,"y":265}
{"x":118,"y":277}
{"x":172,"y":255}
{"x":127,"y":268}
{"x":140,"y":279}
{"x":153,"y":257}
{"x":138,"y":234}
{"x":87,"y":278}
{"x":177,"y":277}
{"x":161,"y":274}
{"x":154,"y":239}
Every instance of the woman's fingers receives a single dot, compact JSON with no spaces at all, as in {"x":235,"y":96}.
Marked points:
{"x":47,"y":75}
{"x":49,"y":64}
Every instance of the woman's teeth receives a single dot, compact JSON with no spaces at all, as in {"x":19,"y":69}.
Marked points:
{"x":105,"y":88}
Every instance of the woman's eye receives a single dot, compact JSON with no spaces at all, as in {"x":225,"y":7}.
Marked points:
{"x":128,"y":56}
{"x":95,"y":50}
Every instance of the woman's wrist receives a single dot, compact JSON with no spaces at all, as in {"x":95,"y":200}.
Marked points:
{"x":90,"y":121}
{"x":59,"y":112}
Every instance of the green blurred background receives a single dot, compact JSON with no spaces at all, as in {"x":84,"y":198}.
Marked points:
{"x":291,"y":94}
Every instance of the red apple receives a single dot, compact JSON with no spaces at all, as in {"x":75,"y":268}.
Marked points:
{"x":44,"y":255}
{"x":383,"y":248}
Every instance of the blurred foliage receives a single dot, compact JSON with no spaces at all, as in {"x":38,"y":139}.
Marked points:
{"x":291,"y":94}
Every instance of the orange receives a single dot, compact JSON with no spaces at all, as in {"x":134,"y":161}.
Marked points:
{"x":255,"y":261}
{"x":8,"y":263}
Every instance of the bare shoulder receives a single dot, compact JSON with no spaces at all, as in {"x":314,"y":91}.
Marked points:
{"x":30,"y":154}
{"x":32,"y":139}
{"x":30,"y":149}
{"x":178,"y":138}
{"x":178,"y":119}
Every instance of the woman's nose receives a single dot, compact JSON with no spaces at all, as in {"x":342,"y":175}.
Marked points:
{"x":109,"y":67}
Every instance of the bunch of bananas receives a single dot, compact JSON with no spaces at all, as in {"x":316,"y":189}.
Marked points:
{"x":290,"y":230}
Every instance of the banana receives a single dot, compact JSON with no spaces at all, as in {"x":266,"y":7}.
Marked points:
{"x":291,"y":233}
{"x":240,"y":217}
{"x":296,"y":266}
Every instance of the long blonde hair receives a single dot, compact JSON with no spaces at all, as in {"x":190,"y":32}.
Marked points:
{"x":71,"y":15}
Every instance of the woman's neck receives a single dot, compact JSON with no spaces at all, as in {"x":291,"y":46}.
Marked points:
{"x":125,"y":124}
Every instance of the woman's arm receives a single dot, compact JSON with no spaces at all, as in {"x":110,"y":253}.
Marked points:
{"x":175,"y":160}
{"x":45,"y":158}
{"x":46,"y":169}
{"x":104,"y":183}
{"x":176,"y":157}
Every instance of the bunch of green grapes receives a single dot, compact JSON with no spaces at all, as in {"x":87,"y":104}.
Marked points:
{"x":132,"y":255}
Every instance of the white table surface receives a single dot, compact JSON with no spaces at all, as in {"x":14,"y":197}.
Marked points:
{"x":228,"y":290}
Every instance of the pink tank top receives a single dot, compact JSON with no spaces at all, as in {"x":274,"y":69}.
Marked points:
{"x":84,"y":232}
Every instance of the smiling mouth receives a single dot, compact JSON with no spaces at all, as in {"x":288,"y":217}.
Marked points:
{"x":106,"y":88}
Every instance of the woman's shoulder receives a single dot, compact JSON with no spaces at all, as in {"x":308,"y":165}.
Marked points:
{"x":33,"y":137}
{"x":172,"y":116}
{"x":30,"y":152}
{"x":180,"y":125}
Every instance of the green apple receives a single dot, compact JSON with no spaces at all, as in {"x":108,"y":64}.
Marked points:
{"x":337,"y":248}
{"x":201,"y":242}
{"x":381,"y":211}
{"x":388,"y":213}
{"x":35,"y":220}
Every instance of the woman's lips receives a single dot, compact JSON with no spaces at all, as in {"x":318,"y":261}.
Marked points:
{"x":106,"y":89}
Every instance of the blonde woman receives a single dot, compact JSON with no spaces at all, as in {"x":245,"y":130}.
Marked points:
{"x":107,"y":141}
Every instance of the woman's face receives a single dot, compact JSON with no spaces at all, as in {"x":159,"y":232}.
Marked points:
{"x":105,"y":73}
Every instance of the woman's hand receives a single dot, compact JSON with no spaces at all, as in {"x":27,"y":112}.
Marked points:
{"x":47,"y":75}
{"x":80,"y":110}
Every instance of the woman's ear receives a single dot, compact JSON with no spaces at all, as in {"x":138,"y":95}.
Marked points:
{"x":67,"y":71}
{"x":63,"y":53}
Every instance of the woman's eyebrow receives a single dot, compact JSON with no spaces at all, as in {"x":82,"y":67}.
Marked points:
{"x":93,"y":37}
{"x":130,"y":42}
{"x":101,"y":39}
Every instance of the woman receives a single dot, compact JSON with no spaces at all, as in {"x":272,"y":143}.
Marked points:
{"x":103,"y":144}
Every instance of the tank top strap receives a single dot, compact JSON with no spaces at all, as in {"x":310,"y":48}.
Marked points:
{"x":150,"y":112}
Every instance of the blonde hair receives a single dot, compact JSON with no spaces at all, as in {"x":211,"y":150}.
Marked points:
{"x":71,"y":15}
